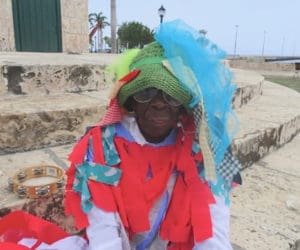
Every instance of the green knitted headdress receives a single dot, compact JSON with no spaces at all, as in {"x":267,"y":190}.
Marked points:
{"x":153,"y":73}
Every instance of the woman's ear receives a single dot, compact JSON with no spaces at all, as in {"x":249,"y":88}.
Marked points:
{"x":129,"y":104}
{"x":182,"y":111}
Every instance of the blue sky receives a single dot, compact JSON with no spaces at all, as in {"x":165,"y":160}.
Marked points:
{"x":276,"y":20}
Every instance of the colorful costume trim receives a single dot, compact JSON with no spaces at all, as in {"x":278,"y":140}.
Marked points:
{"x":95,"y":172}
{"x":129,"y":192}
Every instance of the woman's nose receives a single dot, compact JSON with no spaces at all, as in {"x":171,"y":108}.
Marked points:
{"x":158,"y":100}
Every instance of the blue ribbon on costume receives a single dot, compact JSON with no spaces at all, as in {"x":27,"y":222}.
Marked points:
{"x":161,"y":214}
{"x":101,"y":173}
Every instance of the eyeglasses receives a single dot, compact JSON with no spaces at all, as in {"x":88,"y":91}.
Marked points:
{"x":148,"y":94}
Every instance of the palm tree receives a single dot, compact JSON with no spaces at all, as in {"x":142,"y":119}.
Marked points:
{"x":113,"y":20}
{"x":97,"y":23}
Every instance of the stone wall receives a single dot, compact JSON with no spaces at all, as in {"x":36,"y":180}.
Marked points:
{"x":74,"y":26}
{"x":262,"y":66}
{"x":74,"y":21}
{"x":7,"y":39}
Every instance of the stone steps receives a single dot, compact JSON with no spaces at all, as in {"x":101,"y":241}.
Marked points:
{"x":37,"y":120}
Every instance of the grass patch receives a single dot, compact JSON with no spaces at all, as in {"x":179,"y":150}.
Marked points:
{"x":288,"y":81}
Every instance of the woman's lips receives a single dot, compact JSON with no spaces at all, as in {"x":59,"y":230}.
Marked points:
{"x":159,"y":121}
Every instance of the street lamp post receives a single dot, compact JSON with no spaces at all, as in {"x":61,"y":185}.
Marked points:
{"x":235,"y":41}
{"x":263,"y":45}
{"x":161,"y":13}
{"x":282,"y":46}
{"x":113,"y":25}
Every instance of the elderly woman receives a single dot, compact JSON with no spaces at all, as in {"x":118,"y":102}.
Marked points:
{"x":156,"y":171}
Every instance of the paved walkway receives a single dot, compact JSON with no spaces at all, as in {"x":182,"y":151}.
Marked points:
{"x":266,"y":208}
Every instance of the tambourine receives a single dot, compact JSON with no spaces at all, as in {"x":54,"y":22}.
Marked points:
{"x":38,"y":181}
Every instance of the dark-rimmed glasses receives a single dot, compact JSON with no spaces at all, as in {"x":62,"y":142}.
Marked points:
{"x":148,"y":94}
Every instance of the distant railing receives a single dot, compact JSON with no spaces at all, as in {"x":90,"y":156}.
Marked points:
{"x":282,"y":58}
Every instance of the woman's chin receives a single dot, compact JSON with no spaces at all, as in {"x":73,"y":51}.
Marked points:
{"x":157,"y":135}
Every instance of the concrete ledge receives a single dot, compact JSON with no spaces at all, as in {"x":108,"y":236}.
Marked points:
{"x":49,"y":79}
{"x":48,"y":73}
{"x":267,"y":123}
{"x":259,"y":143}
{"x":249,"y":86}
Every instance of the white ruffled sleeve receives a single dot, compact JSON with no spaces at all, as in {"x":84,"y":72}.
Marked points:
{"x":220,"y":213}
{"x":103,"y":230}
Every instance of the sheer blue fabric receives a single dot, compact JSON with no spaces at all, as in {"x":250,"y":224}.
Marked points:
{"x":197,"y":63}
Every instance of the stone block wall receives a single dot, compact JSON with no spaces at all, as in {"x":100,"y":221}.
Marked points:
{"x":74,"y":21}
{"x":74,"y":26}
{"x":7,"y":39}
{"x":261,"y":66}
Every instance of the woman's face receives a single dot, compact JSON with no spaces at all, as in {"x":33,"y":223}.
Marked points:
{"x":156,"y":118}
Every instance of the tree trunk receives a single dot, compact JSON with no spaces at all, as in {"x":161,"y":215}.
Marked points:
{"x":99,"y":40}
{"x":113,"y":25}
